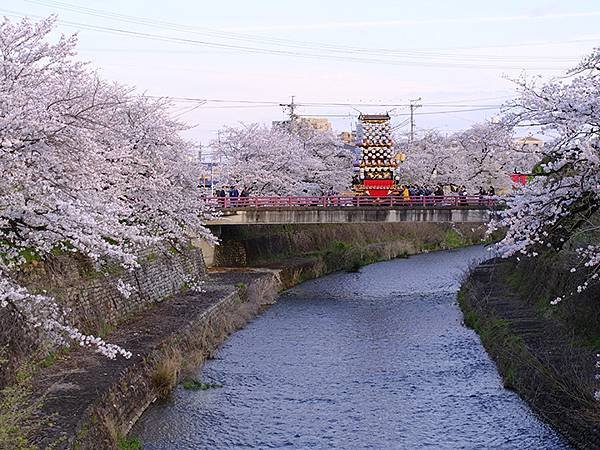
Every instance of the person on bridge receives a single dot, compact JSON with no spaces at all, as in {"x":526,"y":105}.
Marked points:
{"x":234,"y":194}
{"x":221,"y":195}
{"x":330,"y":193}
{"x":438,"y":194}
{"x":405,"y":193}
{"x":482,"y":195}
{"x":462,"y":195}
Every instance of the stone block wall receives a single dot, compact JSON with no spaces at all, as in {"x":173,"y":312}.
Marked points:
{"x":91,"y":299}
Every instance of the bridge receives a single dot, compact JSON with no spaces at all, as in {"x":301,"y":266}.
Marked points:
{"x":272,"y":210}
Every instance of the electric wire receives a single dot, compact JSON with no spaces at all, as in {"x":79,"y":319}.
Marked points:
{"x":276,"y":41}
{"x":290,"y":53}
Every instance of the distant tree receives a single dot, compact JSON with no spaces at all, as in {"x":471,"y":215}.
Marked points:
{"x":87,"y":166}
{"x":284,"y":159}
{"x":427,"y":160}
{"x":482,"y":155}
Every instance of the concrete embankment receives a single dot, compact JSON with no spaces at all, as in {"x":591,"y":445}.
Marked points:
{"x":546,"y":354}
{"x":92,"y":402}
{"x":252,"y":245}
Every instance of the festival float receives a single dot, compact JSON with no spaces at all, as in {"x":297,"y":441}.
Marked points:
{"x":377,"y":164}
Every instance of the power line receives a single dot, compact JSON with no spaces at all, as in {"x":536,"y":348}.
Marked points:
{"x":293,"y":105}
{"x":452,"y":111}
{"x":448,"y":112}
{"x":189,"y":110}
{"x":400,"y":125}
{"x":428,"y":53}
{"x":257,"y":50}
{"x":455,"y":104}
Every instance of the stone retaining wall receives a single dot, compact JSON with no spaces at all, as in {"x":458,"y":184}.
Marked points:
{"x":539,"y":355}
{"x":91,"y":299}
{"x":95,"y":405}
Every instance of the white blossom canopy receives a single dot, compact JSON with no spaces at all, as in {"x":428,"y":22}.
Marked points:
{"x":87,"y":166}
{"x":480,"y":156}
{"x":284,"y":160}
{"x":561,"y":203}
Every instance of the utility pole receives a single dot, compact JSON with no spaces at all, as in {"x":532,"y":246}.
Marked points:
{"x":291,"y":108}
{"x":413,"y":105}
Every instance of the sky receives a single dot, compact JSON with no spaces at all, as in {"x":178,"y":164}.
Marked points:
{"x":337,"y":58}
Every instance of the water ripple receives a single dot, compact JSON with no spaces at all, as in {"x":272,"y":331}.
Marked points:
{"x":374,"y":360}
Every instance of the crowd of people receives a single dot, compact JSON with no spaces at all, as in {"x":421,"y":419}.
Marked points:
{"x":232,"y":192}
{"x":416,"y":190}
{"x":406,"y":190}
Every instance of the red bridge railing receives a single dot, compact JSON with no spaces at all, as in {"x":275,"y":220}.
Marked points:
{"x":470,"y":201}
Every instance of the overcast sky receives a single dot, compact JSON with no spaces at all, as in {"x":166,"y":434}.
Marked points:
{"x":459,"y":52}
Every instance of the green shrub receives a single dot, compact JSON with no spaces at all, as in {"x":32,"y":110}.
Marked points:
{"x":340,"y":245}
{"x":48,"y":360}
{"x":453,"y":239}
{"x":129,"y":443}
{"x":195,"y":385}
{"x":355,"y":265}
{"x":18,"y":415}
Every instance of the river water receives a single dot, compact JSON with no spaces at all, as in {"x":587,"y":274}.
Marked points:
{"x":377,"y":359}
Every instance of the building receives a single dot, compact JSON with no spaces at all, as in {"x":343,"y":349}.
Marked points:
{"x":531,"y":149}
{"x":312,"y":122}
{"x":316,"y":123}
{"x":348,"y":137}
{"x":530,"y":141}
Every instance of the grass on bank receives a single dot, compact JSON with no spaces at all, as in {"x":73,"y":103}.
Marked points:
{"x":19,"y":412}
{"x":166,"y":373}
{"x":579,"y":313}
{"x":345,"y":256}
{"x":192,"y":384}
{"x":129,"y":443}
{"x":508,"y":349}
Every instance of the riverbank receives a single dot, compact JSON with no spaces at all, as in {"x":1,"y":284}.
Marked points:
{"x":539,"y":351}
{"x":92,"y":402}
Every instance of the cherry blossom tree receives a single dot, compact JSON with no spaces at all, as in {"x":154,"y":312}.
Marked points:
{"x":482,"y":155}
{"x":489,"y":154}
{"x":561,"y":203}
{"x":289,"y":159}
{"x":428,"y":160}
{"x":87,"y":166}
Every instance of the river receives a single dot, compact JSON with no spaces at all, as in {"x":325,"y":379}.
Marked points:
{"x":377,"y":359}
